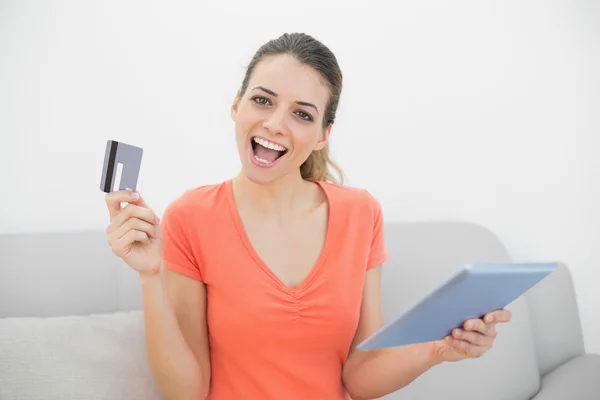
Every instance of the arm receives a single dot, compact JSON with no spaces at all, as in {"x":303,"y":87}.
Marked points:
{"x":375,"y":373}
{"x":174,"y":305}
{"x":176,"y":334}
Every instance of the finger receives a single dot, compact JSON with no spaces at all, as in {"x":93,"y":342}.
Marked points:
{"x":465,"y":348}
{"x":137,"y":225}
{"x":474,"y":338}
{"x":135,"y":211}
{"x":476,"y":325}
{"x":114,"y":200}
{"x":498,"y":316}
{"x":122,"y":246}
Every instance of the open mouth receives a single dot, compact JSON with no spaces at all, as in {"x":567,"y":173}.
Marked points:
{"x":266,"y":152}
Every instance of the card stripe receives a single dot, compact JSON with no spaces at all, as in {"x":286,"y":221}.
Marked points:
{"x":110,"y":168}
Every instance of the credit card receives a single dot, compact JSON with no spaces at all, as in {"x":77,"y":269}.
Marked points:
{"x":121,"y":167}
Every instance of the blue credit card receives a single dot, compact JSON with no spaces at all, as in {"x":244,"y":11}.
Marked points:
{"x":121,"y":167}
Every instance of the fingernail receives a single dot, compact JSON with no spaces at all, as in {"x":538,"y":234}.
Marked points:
{"x":156,"y":219}
{"x":135,"y":196}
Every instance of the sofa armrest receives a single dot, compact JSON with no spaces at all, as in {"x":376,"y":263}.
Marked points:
{"x":555,"y":322}
{"x":576,"y":379}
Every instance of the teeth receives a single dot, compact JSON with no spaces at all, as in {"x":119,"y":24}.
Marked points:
{"x":269,"y":145}
{"x":262,"y":160}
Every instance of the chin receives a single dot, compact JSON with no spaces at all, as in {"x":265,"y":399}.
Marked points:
{"x":260,"y":176}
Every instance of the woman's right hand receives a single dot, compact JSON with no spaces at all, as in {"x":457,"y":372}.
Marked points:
{"x":134,"y":232}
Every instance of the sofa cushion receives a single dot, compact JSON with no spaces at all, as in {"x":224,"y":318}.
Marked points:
{"x":95,"y":357}
{"x":578,"y":379}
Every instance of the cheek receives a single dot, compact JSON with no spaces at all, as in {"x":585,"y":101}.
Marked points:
{"x":243,"y":122}
{"x":305,"y":140}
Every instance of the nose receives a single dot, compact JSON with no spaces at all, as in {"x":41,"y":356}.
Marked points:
{"x":276,"y":123}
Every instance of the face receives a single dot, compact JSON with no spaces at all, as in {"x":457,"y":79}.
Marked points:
{"x":279,"y":120}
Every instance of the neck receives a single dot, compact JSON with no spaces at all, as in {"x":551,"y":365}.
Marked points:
{"x":288,"y":194}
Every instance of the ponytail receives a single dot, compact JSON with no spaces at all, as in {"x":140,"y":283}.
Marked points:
{"x":317,"y":167}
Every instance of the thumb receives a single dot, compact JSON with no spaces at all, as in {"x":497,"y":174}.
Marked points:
{"x":159,"y":231}
{"x":138,"y":200}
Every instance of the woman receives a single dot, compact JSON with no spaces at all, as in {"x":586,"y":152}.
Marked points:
{"x":260,"y":287}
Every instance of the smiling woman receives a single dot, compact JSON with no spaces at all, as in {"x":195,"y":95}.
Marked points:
{"x":317,"y":87}
{"x":279,"y":313}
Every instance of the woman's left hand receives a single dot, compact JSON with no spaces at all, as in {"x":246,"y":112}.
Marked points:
{"x":474,"y":340}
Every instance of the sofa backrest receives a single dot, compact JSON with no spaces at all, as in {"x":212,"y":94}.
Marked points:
{"x":49,"y":274}
{"x":422,"y":255}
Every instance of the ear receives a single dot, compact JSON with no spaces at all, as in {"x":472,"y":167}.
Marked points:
{"x":323,"y":138}
{"x":234,"y":106}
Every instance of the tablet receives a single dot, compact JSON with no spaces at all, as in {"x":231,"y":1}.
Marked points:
{"x":471,"y":292}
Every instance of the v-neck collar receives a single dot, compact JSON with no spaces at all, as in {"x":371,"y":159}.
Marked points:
{"x":314,"y":271}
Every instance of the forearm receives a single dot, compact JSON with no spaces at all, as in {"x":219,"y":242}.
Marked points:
{"x":376,"y":373}
{"x":172,"y":361}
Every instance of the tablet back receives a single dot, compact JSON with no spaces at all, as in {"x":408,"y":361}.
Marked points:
{"x":473,"y":291}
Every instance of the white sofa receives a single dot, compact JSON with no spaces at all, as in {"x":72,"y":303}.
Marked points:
{"x":71,"y":325}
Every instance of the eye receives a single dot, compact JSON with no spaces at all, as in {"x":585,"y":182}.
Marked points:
{"x":261,"y":100}
{"x":304,"y":115}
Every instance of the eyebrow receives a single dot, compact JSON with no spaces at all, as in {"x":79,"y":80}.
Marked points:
{"x":272,"y":93}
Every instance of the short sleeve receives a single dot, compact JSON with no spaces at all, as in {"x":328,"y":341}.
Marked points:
{"x":378,"y":253}
{"x":177,"y":251}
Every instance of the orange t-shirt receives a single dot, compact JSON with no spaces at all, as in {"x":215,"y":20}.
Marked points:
{"x":269,"y":341}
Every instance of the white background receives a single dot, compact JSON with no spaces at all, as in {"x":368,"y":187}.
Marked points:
{"x":485,"y":111}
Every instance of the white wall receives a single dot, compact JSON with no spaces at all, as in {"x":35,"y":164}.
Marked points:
{"x":482,"y":111}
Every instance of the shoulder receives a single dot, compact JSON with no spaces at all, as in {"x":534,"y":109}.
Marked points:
{"x":360,"y":218}
{"x":197,"y":201}
{"x":353,"y":199}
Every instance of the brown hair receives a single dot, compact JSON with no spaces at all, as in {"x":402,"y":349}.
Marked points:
{"x":309,"y":51}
